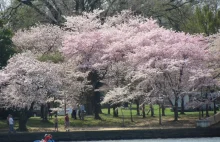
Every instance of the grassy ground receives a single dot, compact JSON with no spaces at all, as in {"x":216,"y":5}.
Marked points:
{"x":109,"y":122}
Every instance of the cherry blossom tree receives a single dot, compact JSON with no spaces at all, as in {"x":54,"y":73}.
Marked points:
{"x":205,"y":93}
{"x":75,"y":85}
{"x":154,"y":50}
{"x":83,"y":23}
{"x":116,"y":77}
{"x":39,"y":39}
{"x":44,"y":41}
{"x":26,"y":82}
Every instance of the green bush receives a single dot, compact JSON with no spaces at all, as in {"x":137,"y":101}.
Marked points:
{"x":55,"y":57}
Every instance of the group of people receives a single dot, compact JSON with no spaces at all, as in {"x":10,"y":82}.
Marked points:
{"x":80,"y":109}
{"x":47,"y":138}
{"x":67,"y":123}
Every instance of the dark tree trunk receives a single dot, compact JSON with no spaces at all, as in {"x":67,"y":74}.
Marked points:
{"x":89,"y":105}
{"x":215,"y":111}
{"x":199,"y":113}
{"x":115,"y":111}
{"x":82,"y":5}
{"x":77,"y":6}
{"x":207,"y":110}
{"x":152,"y":110}
{"x":100,"y":110}
{"x":182,"y":106}
{"x":23,"y":121}
{"x":131,"y":112}
{"x":94,"y":5}
{"x":109,"y":108}
{"x":138,"y":109}
{"x":44,"y":112}
{"x":97,"y":105}
{"x":25,"y":114}
{"x":176,"y":109}
{"x":163,"y":110}
{"x":207,"y":107}
{"x":94,"y":78}
{"x":143,"y":111}
{"x":160,"y":120}
{"x":202,"y":112}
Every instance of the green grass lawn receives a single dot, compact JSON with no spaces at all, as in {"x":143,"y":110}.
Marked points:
{"x":186,"y":120}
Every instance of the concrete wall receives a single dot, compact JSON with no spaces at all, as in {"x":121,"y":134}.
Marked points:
{"x":214,"y":119}
{"x":208,"y":121}
{"x":114,"y":134}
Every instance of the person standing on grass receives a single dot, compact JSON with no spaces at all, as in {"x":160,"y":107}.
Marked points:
{"x":56,"y":123}
{"x":82,"y":111}
{"x":74,"y":111}
{"x":11,"y":124}
{"x":67,"y":122}
{"x":79,"y":112}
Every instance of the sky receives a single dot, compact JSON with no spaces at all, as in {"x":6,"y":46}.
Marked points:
{"x":4,"y":4}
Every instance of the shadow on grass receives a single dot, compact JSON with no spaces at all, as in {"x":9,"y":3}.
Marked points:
{"x":37,"y":122}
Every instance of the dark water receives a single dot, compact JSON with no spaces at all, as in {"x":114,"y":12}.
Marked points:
{"x":215,"y":139}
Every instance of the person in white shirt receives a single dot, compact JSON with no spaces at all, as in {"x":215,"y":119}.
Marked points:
{"x":11,"y":124}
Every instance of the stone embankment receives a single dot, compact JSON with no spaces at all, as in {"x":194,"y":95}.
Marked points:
{"x":114,"y":134}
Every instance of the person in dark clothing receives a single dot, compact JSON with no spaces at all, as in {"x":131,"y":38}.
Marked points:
{"x":74,"y":114}
{"x":67,"y":122}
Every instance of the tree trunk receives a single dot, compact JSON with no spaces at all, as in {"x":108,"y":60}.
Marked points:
{"x":44,"y":112}
{"x":100,"y":109}
{"x":176,"y":109}
{"x":115,"y":114}
{"x":123,"y":118}
{"x":152,"y":110}
{"x":160,"y":122}
{"x":23,"y":121}
{"x":109,"y":108}
{"x":138,"y":109}
{"x":143,"y":111}
{"x":202,"y":112}
{"x":94,"y":77}
{"x":182,"y":106}
{"x":89,"y":105}
{"x":77,"y":6}
{"x":163,"y":110}
{"x":131,"y":112}
{"x":199,"y":113}
{"x":97,"y":105}
{"x":25,"y":114}
{"x":207,"y":110}
{"x":82,"y":5}
{"x":214,"y":107}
